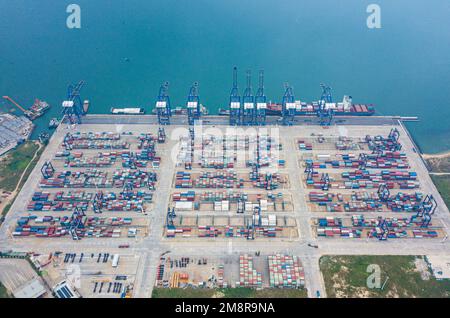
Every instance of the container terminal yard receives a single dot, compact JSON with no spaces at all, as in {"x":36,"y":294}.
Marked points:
{"x":131,"y":202}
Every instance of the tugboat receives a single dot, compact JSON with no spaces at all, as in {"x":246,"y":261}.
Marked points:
{"x":54,"y":122}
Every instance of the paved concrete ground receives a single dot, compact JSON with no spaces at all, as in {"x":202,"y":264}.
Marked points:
{"x":152,"y":246}
{"x":15,"y":273}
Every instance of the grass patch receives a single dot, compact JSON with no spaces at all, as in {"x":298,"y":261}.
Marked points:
{"x":442,"y":183}
{"x":182,"y":293}
{"x":346,"y":276}
{"x":13,"y":165}
{"x":228,"y":293}
{"x":7,"y":208}
{"x":3,"y":292}
{"x":24,"y":179}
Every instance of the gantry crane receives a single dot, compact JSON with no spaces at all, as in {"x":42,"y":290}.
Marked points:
{"x":169,"y":219}
{"x":383,"y":192}
{"x":193,"y":104}
{"x":47,"y":170}
{"x":261,"y":101}
{"x":394,"y":136}
{"x":384,"y":227}
{"x":97,"y":202}
{"x":163,"y":109}
{"x":325,"y":113}
{"x":76,"y":222}
{"x":288,"y":104}
{"x":426,"y":210}
{"x":235,"y":101}
{"x":248,"y":102}
{"x":73,"y":106}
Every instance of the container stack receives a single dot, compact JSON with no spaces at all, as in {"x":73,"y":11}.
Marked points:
{"x":285,"y":271}
{"x":184,"y":196}
{"x":302,"y":145}
{"x":220,"y":277}
{"x":248,"y":276}
{"x":208,"y":231}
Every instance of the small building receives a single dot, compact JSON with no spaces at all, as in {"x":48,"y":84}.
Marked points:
{"x":64,"y":290}
{"x":32,"y":289}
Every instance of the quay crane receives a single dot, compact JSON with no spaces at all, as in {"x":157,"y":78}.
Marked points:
{"x":325,"y":114}
{"x":261,"y":101}
{"x":248,"y":101}
{"x":193,"y":104}
{"x":73,"y":106}
{"x":163,"y":105}
{"x":235,"y":101}
{"x":288,"y":110}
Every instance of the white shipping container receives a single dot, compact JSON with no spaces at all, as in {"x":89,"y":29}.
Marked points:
{"x":183,"y":205}
{"x":115,"y":260}
{"x":263,"y":205}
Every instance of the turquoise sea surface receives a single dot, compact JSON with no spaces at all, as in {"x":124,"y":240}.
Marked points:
{"x":126,"y":48}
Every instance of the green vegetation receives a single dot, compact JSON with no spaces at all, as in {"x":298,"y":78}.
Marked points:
{"x":228,"y":293}
{"x":3,"y":292}
{"x":6,"y":208}
{"x":346,"y":276}
{"x":442,"y":183}
{"x":26,"y":174}
{"x":182,"y":293}
{"x":15,"y":163}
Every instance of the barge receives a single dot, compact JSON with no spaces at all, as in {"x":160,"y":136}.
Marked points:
{"x":127,"y":111}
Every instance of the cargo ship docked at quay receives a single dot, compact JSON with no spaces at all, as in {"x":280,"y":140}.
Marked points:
{"x":127,"y":111}
{"x":141,"y":111}
{"x":344,"y":108}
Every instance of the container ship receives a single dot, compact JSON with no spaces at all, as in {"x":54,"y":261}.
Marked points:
{"x":183,"y":111}
{"x":344,"y":108}
{"x":127,"y":111}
